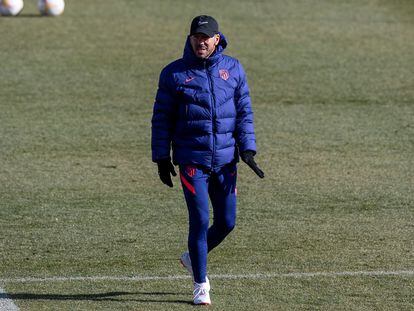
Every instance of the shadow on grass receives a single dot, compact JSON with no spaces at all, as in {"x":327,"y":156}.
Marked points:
{"x":109,"y":296}
{"x":23,"y":15}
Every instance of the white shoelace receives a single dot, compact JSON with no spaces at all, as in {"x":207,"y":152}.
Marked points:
{"x":199,"y":291}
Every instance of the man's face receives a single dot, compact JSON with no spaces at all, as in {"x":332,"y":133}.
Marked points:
{"x":203,"y":46}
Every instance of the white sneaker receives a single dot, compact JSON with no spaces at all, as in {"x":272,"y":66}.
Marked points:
{"x":201,"y":294}
{"x":186,"y":262}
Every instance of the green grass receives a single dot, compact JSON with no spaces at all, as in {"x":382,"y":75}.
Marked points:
{"x":333,"y":93}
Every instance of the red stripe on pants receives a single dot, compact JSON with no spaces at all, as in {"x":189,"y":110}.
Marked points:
{"x":187,"y":184}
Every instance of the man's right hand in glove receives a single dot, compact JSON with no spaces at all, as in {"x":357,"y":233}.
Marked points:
{"x":165,"y":169}
{"x":248,"y":157}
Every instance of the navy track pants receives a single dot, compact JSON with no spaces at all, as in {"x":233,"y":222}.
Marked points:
{"x":199,"y":185}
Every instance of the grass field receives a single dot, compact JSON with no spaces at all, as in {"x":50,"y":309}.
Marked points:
{"x":332,"y":85}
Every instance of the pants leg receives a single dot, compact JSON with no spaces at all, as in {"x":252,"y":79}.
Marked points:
{"x":195,"y":186}
{"x":222,"y":192}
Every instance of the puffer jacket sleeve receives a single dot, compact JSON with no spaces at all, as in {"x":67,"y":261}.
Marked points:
{"x":245,"y":137}
{"x":163,"y":118}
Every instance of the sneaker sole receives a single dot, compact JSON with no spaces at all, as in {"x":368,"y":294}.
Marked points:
{"x":203,"y":304}
{"x":185,"y":267}
{"x":182,"y":263}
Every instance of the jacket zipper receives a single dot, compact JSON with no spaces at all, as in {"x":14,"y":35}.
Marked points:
{"x":213,"y":113}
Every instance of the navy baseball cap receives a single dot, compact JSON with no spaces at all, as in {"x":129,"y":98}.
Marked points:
{"x":204,"y":24}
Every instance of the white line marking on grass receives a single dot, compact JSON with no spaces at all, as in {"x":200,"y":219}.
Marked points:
{"x":6,"y":304}
{"x":138,"y":278}
{"x":318,"y":274}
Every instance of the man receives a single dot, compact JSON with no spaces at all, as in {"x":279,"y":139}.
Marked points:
{"x":203,"y":112}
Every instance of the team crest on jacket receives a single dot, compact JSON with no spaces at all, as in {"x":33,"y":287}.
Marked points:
{"x":224,"y":74}
{"x":190,"y":170}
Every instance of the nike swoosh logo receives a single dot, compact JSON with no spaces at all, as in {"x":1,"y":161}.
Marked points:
{"x":202,"y":23}
{"x":189,"y":79}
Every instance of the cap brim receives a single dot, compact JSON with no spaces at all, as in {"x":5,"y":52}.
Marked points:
{"x":204,"y":31}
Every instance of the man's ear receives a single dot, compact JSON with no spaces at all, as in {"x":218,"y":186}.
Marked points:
{"x":217,"y":37}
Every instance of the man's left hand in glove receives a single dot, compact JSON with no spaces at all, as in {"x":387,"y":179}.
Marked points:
{"x":248,"y":157}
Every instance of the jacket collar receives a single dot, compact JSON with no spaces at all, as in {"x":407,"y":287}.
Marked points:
{"x":192,"y":59}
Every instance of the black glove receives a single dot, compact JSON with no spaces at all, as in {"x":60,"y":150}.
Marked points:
{"x":165,"y":168}
{"x":248,"y":157}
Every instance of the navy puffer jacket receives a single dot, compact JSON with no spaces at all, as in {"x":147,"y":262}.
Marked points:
{"x":202,"y":110}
